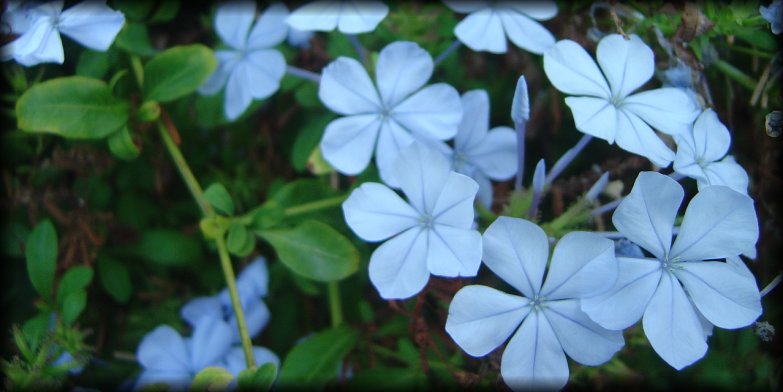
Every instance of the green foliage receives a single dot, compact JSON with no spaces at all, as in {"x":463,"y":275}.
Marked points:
{"x":41,"y":255}
{"x":217,"y":196}
{"x":212,"y":379}
{"x":167,"y":247}
{"x":260,"y":379}
{"x":115,"y":279}
{"x":121,"y":144}
{"x":316,"y":361}
{"x":177,"y":72}
{"x":74,"y":280}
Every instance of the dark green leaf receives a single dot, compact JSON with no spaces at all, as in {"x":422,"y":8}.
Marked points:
{"x":212,"y":379}
{"x":121,"y":144}
{"x":166,"y":10}
{"x":177,"y":72}
{"x":260,"y":379}
{"x":134,"y":39}
{"x":93,"y":64}
{"x":237,"y":238}
{"x":217,"y":196}
{"x":267,"y":215}
{"x":307,"y":140}
{"x":114,"y":278}
{"x":75,"y":279}
{"x":167,"y":247}
{"x":72,"y":306}
{"x":316,"y":361}
{"x":41,"y":255}
{"x":35,"y":329}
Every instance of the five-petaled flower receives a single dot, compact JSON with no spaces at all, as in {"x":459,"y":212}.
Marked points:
{"x":547,"y":319}
{"x":349,"y":17}
{"x":431,"y":233}
{"x":683,"y":289}
{"x":608,"y":110}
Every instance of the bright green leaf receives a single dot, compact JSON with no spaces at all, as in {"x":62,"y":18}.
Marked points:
{"x":217,"y":196}
{"x":73,"y":305}
{"x":177,"y":72}
{"x":212,"y":378}
{"x":237,"y":237}
{"x":260,"y":379}
{"x":121,"y":144}
{"x":114,"y":278}
{"x":316,"y":361}
{"x":167,"y":247}
{"x":75,"y":279}
{"x":41,"y":255}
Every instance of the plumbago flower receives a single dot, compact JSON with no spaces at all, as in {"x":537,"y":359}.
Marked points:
{"x":250,"y":68}
{"x":430,"y":234}
{"x":488,"y":21}
{"x":349,"y":17}
{"x":774,"y":15}
{"x":390,"y":118}
{"x":90,"y":23}
{"x":552,"y":324}
{"x":699,"y":153}
{"x":684,"y":289}
{"x":608,"y":110}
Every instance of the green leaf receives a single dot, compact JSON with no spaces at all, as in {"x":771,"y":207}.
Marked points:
{"x":73,"y":305}
{"x":167,"y":247}
{"x":75,"y":107}
{"x":217,"y":196}
{"x":167,"y":10}
{"x":238,"y":238}
{"x":134,"y":39}
{"x":267,"y":215}
{"x":177,"y":72}
{"x":114,"y":278}
{"x":41,"y":255}
{"x":316,"y":361}
{"x":75,"y":279}
{"x":35,"y":329}
{"x":93,"y":64}
{"x":212,"y":378}
{"x":314,"y":250}
{"x":121,"y":144}
{"x":260,"y":379}
{"x":307,"y":140}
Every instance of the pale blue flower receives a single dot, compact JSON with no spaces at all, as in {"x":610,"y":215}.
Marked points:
{"x":701,"y":152}
{"x":489,"y":22}
{"x":603,"y":105}
{"x":774,"y":15}
{"x":431,"y":233}
{"x":683,"y":289}
{"x":349,"y":17}
{"x":250,"y":68}
{"x":91,"y":23}
{"x":299,"y":38}
{"x":546,"y":322}
{"x":389,"y":118}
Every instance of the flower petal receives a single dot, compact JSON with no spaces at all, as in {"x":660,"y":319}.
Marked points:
{"x":361,"y":16}
{"x":254,"y":278}
{"x":475,"y":120}
{"x":92,"y":24}
{"x":711,"y":137}
{"x":539,"y":10}
{"x":163,"y":349}
{"x":525,"y":32}
{"x":583,"y":265}
{"x":637,"y":137}
{"x":433,"y":112}
{"x":423,"y":173}
{"x":624,"y":304}
{"x":646,"y":215}
{"x":718,"y":223}
{"x":233,"y":20}
{"x":454,"y":205}
{"x":270,"y":29}
{"x":668,"y":109}
{"x":517,"y":250}
{"x":227,"y":61}
{"x":672,"y":325}
{"x":463,"y":6}
{"x":725,"y":296}
{"x":582,"y":339}
{"x":268,"y":67}
{"x":348,"y":142}
{"x":482,"y":30}
{"x":210,"y":342}
{"x":316,"y":16}
{"x":401,"y":69}
{"x":374,"y":212}
{"x":727,"y":173}
{"x":200,"y":307}
{"x":594,"y":116}
{"x":534,"y":359}
{"x":40,"y":44}
{"x":572,"y":71}
{"x":482,"y":318}
{"x":256,"y":318}
{"x":234,"y":361}
{"x":453,"y":251}
{"x":484,"y":195}
{"x":398,"y":268}
{"x":496,"y":154}
{"x":238,"y":93}
{"x":627,"y":63}
{"x":346,"y":88}
{"x":392,"y":139}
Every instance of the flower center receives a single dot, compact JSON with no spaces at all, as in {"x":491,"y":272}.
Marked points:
{"x":426,"y":221}
{"x":537,"y":303}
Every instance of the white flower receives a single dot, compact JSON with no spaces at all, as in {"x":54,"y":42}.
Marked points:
{"x":349,"y":17}
{"x":608,"y":110}
{"x":678,"y":293}
{"x":488,"y":21}
{"x":389,"y":118}
{"x":431,"y":233}
{"x":250,"y":69}
{"x":547,"y":319}
{"x":90,"y":23}
{"x":699,"y":153}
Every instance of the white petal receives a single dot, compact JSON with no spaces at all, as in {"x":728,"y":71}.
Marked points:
{"x":627,"y":64}
{"x":348,"y":142}
{"x":233,"y":20}
{"x":40,"y":44}
{"x":401,"y":69}
{"x":668,"y":109}
{"x":433,"y":112}
{"x":625,"y":303}
{"x":392,"y":139}
{"x":572,"y":71}
{"x":594,"y":116}
{"x":465,"y":7}
{"x":454,"y":205}
{"x":210,"y":342}
{"x":315,"y":16}
{"x":686,"y":158}
{"x":254,"y":278}
{"x":583,"y":265}
{"x":635,"y":136}
{"x":361,"y":16}
{"x":422,"y":173}
{"x":496,"y":154}
{"x":398,"y":268}
{"x":727,"y":173}
{"x":725,"y":296}
{"x":711,"y":137}
{"x":482,"y":31}
{"x":672,"y":325}
{"x":539,"y":9}
{"x":525,"y":32}
{"x":453,"y":251}
{"x":268,"y":68}
{"x":238,"y":94}
{"x":534,"y":359}
{"x":646,"y":215}
{"x":270,"y":29}
{"x":718,"y":223}
{"x":482,"y":318}
{"x":484,"y":195}
{"x":92,"y":24}
{"x":200,"y":307}
{"x":227,"y":61}
{"x":374,"y":212}
{"x":163,"y":349}
{"x":475,"y":119}
{"x":582,"y":339}
{"x":346,"y":88}
{"x":517,"y":250}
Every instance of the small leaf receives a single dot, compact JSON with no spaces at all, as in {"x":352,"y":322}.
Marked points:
{"x":307,"y":140}
{"x":121,"y":144}
{"x":35,"y":329}
{"x":260,"y":379}
{"x":237,"y":237}
{"x":212,"y":378}
{"x":93,"y":64}
{"x":267,"y":215}
{"x":217,"y":196}
{"x":41,"y":255}
{"x":316,"y":361}
{"x":134,"y":39}
{"x":167,"y":247}
{"x":75,"y":279}
{"x":314,"y":250}
{"x":73,"y":305}
{"x":114,"y":278}
{"x":177,"y":72}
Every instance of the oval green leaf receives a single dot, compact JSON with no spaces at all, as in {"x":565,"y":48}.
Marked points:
{"x":260,"y":379}
{"x":316,"y":361}
{"x":212,"y":378}
{"x":177,"y":72}
{"x":218,"y":197}
{"x":41,"y":255}
{"x":114,"y":279}
{"x":75,"y":279}
{"x":121,"y":144}
{"x":73,"y":305}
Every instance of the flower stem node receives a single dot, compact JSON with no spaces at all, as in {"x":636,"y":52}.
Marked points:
{"x":148,"y":112}
{"x":214,"y":227}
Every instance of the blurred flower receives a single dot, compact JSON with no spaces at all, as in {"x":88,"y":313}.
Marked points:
{"x":349,"y":17}
{"x":90,"y":23}
{"x":774,"y":15}
{"x":431,"y":233}
{"x":389,"y":118}
{"x":609,"y":111}
{"x":488,"y":21}
{"x":699,"y":153}
{"x":250,"y":69}
{"x":234,"y":361}
{"x":547,"y":318}
{"x":678,"y":293}
{"x":299,"y":38}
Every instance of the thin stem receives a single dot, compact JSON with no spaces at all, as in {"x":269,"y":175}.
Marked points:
{"x":775,"y":282}
{"x":315,"y":206}
{"x":359,"y":48}
{"x":335,"y":307}
{"x":567,"y":158}
{"x":303,"y":73}
{"x":734,"y":73}
{"x":138,"y":70}
{"x":185,"y":172}
{"x":454,"y":45}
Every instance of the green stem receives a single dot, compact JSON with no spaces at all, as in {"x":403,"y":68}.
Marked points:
{"x":750,"y":51}
{"x":314,"y":206}
{"x":138,"y":70}
{"x":335,"y":307}
{"x":734,"y":73}
{"x":184,"y":171}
